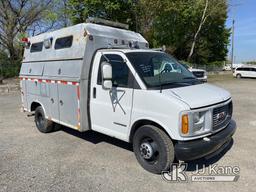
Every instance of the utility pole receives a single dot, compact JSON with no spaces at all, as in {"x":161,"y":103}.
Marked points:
{"x":233,"y":6}
{"x":232,"y":49}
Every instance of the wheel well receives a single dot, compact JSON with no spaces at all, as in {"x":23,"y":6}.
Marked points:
{"x":140,"y":123}
{"x":34,"y":105}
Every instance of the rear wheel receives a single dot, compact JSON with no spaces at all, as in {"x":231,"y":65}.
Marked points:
{"x":43,"y":125}
{"x":153,"y":149}
{"x":238,"y":76}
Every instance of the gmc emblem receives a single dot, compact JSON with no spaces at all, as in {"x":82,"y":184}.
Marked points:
{"x":221,"y":116}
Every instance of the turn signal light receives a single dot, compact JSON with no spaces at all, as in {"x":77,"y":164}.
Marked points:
{"x":185,"y":126}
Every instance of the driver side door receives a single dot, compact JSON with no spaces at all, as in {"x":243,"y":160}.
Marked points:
{"x":111,"y":109}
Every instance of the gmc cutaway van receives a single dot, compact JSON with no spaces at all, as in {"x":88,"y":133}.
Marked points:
{"x":106,"y":79}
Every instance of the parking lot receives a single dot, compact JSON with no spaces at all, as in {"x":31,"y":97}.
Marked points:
{"x":71,"y":161}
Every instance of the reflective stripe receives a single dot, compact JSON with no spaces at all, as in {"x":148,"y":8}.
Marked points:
{"x":50,"y":81}
{"x":78,"y":92}
{"x":78,"y":106}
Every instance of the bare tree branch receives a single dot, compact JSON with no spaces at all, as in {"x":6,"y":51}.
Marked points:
{"x":203,"y":19}
{"x":16,"y":16}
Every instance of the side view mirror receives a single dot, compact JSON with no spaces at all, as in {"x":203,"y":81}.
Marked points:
{"x":106,"y":71}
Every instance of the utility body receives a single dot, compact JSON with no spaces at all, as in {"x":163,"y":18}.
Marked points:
{"x":106,"y":79}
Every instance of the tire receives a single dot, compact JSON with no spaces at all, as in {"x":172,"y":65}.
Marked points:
{"x":43,"y":125}
{"x":153,"y":149}
{"x":57,"y":127}
{"x":238,"y":76}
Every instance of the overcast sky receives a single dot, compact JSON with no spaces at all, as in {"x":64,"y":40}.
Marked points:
{"x":244,"y":13}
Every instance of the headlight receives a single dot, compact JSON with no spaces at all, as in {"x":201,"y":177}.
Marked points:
{"x":195,"y":123}
{"x":198,"y":121}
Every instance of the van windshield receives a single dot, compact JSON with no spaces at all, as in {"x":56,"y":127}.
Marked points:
{"x":160,"y":70}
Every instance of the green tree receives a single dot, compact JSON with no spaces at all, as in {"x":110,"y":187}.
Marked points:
{"x":115,"y":10}
{"x":193,"y":30}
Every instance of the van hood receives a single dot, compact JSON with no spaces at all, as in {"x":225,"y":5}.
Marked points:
{"x":195,"y":70}
{"x":201,"y":95}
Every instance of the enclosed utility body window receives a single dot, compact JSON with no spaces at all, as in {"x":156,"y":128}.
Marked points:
{"x":36,"y":47}
{"x":63,"y":42}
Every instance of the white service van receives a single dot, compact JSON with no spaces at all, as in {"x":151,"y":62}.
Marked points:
{"x":106,"y":79}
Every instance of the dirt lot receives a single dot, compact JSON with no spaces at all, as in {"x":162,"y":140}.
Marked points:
{"x":71,"y":161}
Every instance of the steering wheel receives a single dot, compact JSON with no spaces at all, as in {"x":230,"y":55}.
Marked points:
{"x":167,"y":69}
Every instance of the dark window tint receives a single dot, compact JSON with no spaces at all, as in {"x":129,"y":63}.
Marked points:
{"x":243,"y":69}
{"x":36,"y":47}
{"x":63,"y":42}
{"x":254,"y":69}
{"x":121,"y":75}
{"x":247,"y":69}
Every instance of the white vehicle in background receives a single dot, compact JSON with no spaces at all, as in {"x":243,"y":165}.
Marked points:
{"x":106,"y":79}
{"x":245,"y":71}
{"x":227,"y":67}
{"x":200,"y":74}
{"x":236,"y":65}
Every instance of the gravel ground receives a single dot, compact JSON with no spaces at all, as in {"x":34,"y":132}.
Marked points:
{"x":71,"y":161}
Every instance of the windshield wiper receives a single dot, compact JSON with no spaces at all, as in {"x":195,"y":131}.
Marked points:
{"x":173,"y":83}
{"x":189,"y":78}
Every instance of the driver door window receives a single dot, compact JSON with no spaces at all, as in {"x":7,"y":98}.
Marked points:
{"x":121,"y":75}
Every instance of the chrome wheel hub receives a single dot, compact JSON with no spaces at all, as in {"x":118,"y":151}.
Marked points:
{"x":146,"y":150}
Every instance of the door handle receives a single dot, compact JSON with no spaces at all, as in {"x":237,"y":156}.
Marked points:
{"x":61,"y":102}
{"x":52,"y":100}
{"x":94,"y":92}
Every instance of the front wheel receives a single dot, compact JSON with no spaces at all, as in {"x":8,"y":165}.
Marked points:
{"x":153,"y":149}
{"x":238,"y":76}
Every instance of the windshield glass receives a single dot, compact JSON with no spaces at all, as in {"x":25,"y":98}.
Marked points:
{"x":158,"y":69}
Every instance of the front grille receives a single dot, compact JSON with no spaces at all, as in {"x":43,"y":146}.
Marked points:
{"x":198,"y":73}
{"x":222,"y":116}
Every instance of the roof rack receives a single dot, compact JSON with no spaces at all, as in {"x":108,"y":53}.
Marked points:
{"x":107,"y":22}
{"x":118,"y":47}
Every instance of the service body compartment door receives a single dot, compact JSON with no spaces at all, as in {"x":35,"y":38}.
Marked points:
{"x":68,"y":105}
{"x":54,"y":102}
{"x":24,"y":94}
{"x":33,"y":88}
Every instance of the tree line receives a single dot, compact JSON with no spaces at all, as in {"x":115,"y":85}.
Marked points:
{"x":192,"y":30}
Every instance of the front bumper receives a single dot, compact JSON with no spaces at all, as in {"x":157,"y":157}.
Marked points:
{"x":202,"y":79}
{"x":191,"y":150}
